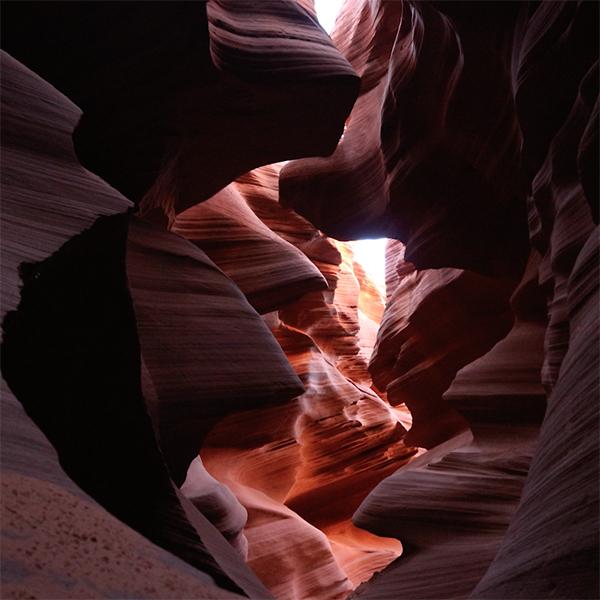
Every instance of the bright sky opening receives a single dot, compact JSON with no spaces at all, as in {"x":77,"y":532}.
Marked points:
{"x":371,"y":256}
{"x":369,"y":253}
{"x":327,"y":11}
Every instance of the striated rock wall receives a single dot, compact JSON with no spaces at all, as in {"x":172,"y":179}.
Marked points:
{"x":558,"y":512}
{"x":436,"y":321}
{"x":462,"y":123}
{"x":74,"y":421}
{"x":433,"y":504}
{"x":212,"y":391}
{"x":76,"y":326}
{"x":430,"y":152}
{"x":452,"y":505}
{"x":200,"y":102}
{"x":301,"y":470}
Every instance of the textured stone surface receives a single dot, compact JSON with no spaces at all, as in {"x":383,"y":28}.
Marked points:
{"x":550,"y":548}
{"x":75,"y":379}
{"x":269,"y":270}
{"x":435,"y":322}
{"x":226,"y":78}
{"x":430,"y":153}
{"x":133,"y":343}
{"x":206,"y":350}
{"x":335,"y":441}
{"x":452,"y":506}
{"x":59,"y":544}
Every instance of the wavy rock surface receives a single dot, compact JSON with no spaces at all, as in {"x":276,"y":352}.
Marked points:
{"x":270,"y":271}
{"x":131,"y":341}
{"x":185,"y":307}
{"x":233,"y":78}
{"x":451,"y":506}
{"x":561,"y":150}
{"x":550,"y":548}
{"x":336,"y":440}
{"x":435,"y":322}
{"x":216,"y":502}
{"x":430,"y":152}
{"x":561,"y":492}
{"x":57,"y":220}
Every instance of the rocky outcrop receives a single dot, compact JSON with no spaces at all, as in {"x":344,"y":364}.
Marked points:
{"x":130,"y":477}
{"x":451,"y":506}
{"x":558,"y":511}
{"x":436,"y":321}
{"x":269,"y":270}
{"x":69,"y":355}
{"x":430,"y":152}
{"x":561,"y":151}
{"x":184,"y":308}
{"x":543,"y":546}
{"x":224,"y":79}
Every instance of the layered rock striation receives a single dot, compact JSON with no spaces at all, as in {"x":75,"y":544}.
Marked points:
{"x":301,"y":469}
{"x":74,"y":422}
{"x":205,"y":395}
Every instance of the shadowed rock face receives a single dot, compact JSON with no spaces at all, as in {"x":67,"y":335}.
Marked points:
{"x":223,"y":79}
{"x":270,"y":271}
{"x":561,"y":492}
{"x":208,"y":398}
{"x":430,"y":153}
{"x":541,"y":554}
{"x":70,"y":355}
{"x":452,"y":505}
{"x":416,"y":356}
{"x":184,"y":306}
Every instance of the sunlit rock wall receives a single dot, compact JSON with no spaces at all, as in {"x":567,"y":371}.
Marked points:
{"x":301,"y":469}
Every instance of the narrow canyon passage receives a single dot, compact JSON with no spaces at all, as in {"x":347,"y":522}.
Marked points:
{"x":300,"y":300}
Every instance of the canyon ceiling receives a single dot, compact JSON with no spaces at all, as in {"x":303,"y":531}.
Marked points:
{"x":205,"y":394}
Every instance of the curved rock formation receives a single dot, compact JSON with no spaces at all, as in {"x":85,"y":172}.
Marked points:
{"x":558,"y":511}
{"x":550,"y":546}
{"x":161,"y":438}
{"x":216,"y":502}
{"x":78,"y":381}
{"x":270,"y":271}
{"x":336,"y":440}
{"x":206,"y":350}
{"x":452,"y":505}
{"x":561,"y":150}
{"x":430,"y":152}
{"x":224,"y":79}
{"x":436,"y":321}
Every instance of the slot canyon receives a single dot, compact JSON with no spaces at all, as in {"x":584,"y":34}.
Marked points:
{"x":300,"y":315}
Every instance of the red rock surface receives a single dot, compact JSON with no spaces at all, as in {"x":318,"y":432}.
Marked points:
{"x":561,"y":492}
{"x":132,"y":343}
{"x":270,"y":271}
{"x":436,"y":321}
{"x":224,"y":79}
{"x":452,"y":506}
{"x":184,"y":307}
{"x":336,"y":440}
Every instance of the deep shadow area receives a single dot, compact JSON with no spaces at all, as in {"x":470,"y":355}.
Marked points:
{"x":71,"y":355}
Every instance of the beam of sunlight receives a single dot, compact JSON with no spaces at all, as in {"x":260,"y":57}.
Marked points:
{"x":327,"y":12}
